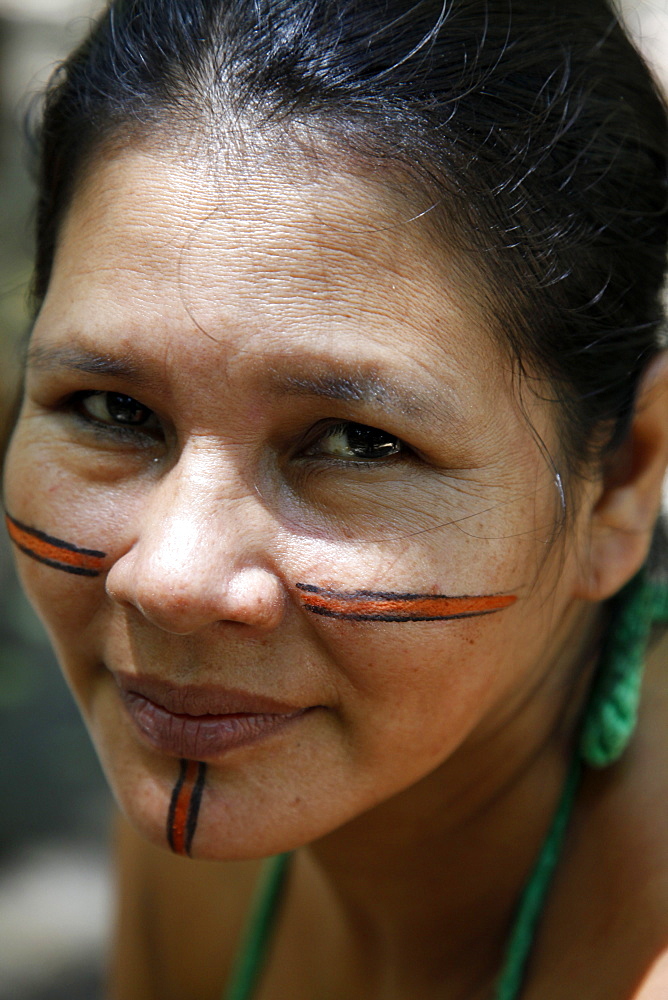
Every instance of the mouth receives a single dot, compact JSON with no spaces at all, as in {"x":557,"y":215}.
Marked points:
{"x":201,"y":722}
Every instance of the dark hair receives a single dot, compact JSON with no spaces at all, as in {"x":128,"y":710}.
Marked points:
{"x":532,"y":127}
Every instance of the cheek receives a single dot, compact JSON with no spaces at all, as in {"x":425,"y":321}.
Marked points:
{"x":411,"y":693}
{"x":42,"y":494}
{"x":69,"y":607}
{"x":430,"y":631}
{"x":435,"y":690}
{"x":431,"y":642}
{"x":65,"y":535}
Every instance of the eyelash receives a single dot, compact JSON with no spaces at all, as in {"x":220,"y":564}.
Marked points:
{"x":132,"y":433}
{"x":351,"y":428}
{"x":394,"y":447}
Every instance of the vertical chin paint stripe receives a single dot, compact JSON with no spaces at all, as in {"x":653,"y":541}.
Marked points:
{"x":55,"y":552}
{"x":184,"y":806}
{"x":385,"y":606}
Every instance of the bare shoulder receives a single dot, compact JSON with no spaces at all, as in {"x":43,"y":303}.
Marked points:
{"x":178,"y":921}
{"x":605,"y":925}
{"x":655,"y":984}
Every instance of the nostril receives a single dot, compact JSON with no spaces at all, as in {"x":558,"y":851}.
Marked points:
{"x":175,"y":615}
{"x":173,"y":610}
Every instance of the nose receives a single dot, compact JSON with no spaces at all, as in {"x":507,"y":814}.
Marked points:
{"x":198,"y":555}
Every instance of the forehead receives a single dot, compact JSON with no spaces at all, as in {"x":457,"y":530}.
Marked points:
{"x":266,"y":254}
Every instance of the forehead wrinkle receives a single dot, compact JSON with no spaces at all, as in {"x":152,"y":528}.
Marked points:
{"x":309,"y":241}
{"x":318,"y":244}
{"x":293,"y":254}
{"x":305,"y":244}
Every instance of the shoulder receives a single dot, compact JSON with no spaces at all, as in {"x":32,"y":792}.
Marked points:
{"x":655,"y":984}
{"x":178,"y":921}
{"x":605,"y":928}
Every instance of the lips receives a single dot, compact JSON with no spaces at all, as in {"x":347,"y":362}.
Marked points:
{"x":201,"y":722}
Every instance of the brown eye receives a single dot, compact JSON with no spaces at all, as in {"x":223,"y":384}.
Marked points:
{"x":115,"y":408}
{"x":356,"y":442}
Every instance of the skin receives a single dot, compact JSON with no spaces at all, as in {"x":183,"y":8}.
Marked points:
{"x":230,"y":298}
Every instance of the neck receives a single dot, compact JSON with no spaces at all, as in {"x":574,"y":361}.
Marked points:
{"x":430,"y":879}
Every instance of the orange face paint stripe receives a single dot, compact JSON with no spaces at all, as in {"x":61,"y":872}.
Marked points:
{"x":380,"y":606}
{"x":54,"y":552}
{"x":184,"y":806}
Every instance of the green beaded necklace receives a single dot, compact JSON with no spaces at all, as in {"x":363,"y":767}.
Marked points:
{"x":608,"y":723}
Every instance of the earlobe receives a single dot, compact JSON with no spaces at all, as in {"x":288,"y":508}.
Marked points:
{"x":629,"y":499}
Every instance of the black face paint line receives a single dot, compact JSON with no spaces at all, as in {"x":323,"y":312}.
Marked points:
{"x":386,"y":606}
{"x":185,"y":805}
{"x":55,"y":552}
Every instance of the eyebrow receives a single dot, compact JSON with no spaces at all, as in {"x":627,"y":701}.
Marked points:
{"x":89,"y":362}
{"x":337,"y":383}
{"x":367,"y":387}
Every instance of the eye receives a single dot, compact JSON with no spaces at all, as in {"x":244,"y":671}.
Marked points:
{"x":115,"y":409}
{"x":356,"y":442}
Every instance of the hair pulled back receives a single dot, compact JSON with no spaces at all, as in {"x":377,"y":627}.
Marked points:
{"x":532,"y":127}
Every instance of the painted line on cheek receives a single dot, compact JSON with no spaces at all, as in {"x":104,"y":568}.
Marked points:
{"x":381,"y":606}
{"x":54,"y":552}
{"x":184,"y":806}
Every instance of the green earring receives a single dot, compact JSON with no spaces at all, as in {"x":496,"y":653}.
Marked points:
{"x":613,"y":707}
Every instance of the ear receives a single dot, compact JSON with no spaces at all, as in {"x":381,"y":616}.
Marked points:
{"x":628,"y":500}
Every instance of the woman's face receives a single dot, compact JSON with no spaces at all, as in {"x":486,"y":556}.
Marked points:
{"x":276,"y":420}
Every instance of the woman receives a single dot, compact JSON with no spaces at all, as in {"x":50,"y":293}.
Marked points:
{"x":335,"y":482}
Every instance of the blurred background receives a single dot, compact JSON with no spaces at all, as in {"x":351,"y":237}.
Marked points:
{"x":55,"y":886}
{"x":55,"y":899}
